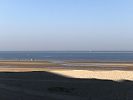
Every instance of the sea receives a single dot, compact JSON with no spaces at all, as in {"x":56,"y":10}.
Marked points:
{"x":68,"y":55}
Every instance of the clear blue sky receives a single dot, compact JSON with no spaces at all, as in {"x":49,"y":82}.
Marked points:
{"x":66,"y":25}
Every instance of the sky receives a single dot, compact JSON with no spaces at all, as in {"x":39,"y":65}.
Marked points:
{"x":63,"y":25}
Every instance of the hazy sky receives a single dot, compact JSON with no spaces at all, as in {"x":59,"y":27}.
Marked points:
{"x":66,"y":25}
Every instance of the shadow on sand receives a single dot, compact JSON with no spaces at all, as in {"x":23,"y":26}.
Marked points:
{"x":49,"y":86}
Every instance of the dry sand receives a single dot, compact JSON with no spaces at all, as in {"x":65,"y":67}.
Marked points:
{"x":97,"y":74}
{"x":109,"y":75}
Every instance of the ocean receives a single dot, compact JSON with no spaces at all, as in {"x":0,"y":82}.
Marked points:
{"x":67,"y":55}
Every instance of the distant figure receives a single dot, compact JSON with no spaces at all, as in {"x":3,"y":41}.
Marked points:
{"x":31,"y":59}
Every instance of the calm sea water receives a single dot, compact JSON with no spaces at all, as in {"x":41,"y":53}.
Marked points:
{"x":64,"y":55}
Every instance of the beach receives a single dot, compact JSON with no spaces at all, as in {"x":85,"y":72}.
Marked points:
{"x":87,"y":74}
{"x":88,"y":70}
{"x":44,"y":80}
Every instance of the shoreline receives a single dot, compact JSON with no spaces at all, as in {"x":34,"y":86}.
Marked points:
{"x":75,"y":65}
{"x":70,"y":60}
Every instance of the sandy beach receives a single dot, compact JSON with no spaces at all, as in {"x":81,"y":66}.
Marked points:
{"x":83,"y":74}
{"x":109,"y":75}
{"x":50,"y":81}
{"x":93,"y":70}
